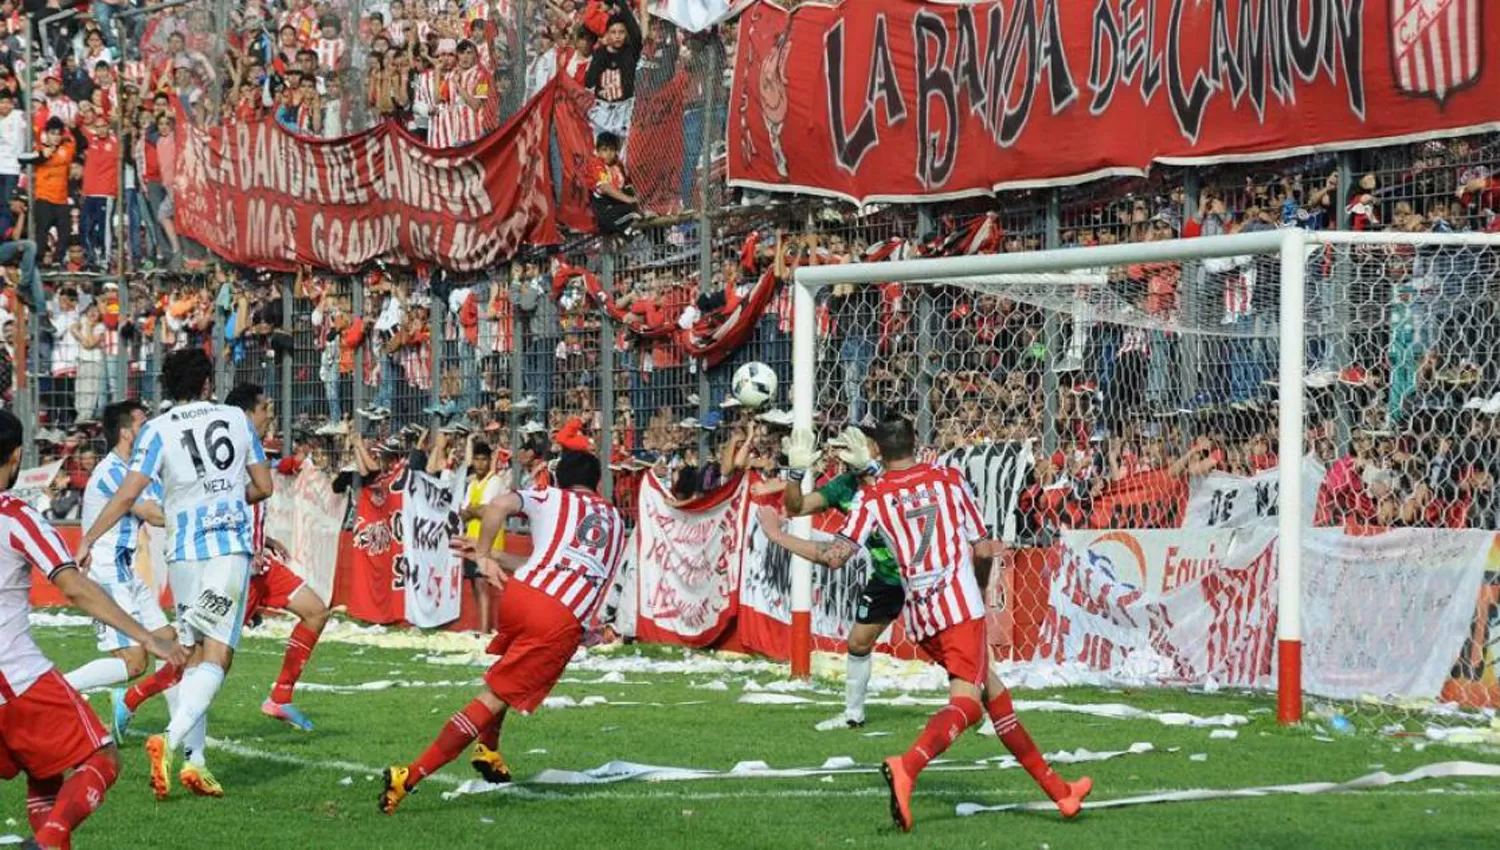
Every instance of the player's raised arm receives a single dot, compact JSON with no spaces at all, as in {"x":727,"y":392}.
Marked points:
{"x":801,"y":450}
{"x":830,"y":553}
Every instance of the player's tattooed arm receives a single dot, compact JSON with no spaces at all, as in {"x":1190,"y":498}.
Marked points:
{"x":830,"y":553}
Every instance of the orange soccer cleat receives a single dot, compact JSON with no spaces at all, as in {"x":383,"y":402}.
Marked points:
{"x":1072,"y":804}
{"x":901,"y":787}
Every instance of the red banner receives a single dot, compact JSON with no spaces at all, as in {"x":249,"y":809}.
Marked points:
{"x":258,"y":195}
{"x":376,"y":590}
{"x":900,"y":100}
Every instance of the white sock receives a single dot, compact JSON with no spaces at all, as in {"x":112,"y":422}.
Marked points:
{"x":196,"y":694}
{"x":856,"y":682}
{"x":170,"y":694}
{"x":99,"y":673}
{"x":195,"y":742}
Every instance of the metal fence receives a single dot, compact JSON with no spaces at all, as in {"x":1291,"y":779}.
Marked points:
{"x":513,"y":357}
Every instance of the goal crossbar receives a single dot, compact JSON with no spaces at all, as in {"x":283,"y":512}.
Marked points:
{"x":1070,"y":267}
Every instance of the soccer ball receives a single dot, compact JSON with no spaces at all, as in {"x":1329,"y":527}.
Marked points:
{"x":754,"y":384}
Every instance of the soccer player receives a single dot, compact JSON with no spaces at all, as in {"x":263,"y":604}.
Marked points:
{"x":114,"y":568}
{"x":542,"y":612}
{"x":935,"y":530}
{"x":201,"y":452}
{"x":274,"y":585}
{"x":881,"y":598}
{"x":46,"y":728}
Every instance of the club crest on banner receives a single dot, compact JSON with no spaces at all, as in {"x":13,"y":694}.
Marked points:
{"x":1437,"y":46}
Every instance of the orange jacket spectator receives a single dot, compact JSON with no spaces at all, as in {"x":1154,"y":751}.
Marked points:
{"x":52,"y":173}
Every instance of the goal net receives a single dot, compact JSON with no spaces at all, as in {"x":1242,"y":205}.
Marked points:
{"x":1262,"y":461}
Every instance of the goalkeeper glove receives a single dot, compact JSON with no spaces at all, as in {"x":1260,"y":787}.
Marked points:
{"x":801,"y":450}
{"x":854,"y":451}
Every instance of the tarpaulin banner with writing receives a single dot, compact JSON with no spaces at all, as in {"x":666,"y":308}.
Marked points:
{"x":896,"y":100}
{"x":31,"y":484}
{"x":1222,"y":500}
{"x":1387,"y":614}
{"x":434,"y":573}
{"x":306,"y":517}
{"x":258,"y":195}
{"x":377,"y":570}
{"x":687,"y":562}
{"x":1164,"y":607}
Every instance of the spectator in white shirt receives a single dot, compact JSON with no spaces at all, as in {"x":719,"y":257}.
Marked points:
{"x":13,"y":134}
{"x":64,"y":358}
{"x":88,"y":332}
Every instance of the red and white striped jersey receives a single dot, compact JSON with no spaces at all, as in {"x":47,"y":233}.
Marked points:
{"x":416,"y":362}
{"x":330,"y":52}
{"x":424,"y":94}
{"x":931,"y":518}
{"x":585,"y":542}
{"x":25,"y":539}
{"x":463,"y":123}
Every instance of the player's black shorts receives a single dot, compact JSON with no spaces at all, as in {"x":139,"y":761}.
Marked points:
{"x":879,"y":602}
{"x":471,"y":568}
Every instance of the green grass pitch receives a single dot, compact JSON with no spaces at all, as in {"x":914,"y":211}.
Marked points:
{"x":287,"y":789}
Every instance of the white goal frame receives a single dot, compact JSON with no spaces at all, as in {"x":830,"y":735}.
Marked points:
{"x":1065,"y":267}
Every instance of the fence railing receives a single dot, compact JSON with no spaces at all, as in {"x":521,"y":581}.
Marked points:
{"x":504,"y":351}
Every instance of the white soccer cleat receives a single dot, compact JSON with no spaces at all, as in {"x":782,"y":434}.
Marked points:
{"x":843,"y":721}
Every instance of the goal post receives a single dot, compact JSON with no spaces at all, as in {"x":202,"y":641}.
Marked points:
{"x":1080,"y":282}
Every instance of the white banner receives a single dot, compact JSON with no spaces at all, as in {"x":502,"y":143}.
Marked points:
{"x":434,"y":574}
{"x":1163,"y":607}
{"x":1386,"y":614}
{"x":687,"y":562}
{"x":1383,"y":615}
{"x":306,"y":517}
{"x":31,"y":484}
{"x":1221,"y":500}
{"x":997,"y":472}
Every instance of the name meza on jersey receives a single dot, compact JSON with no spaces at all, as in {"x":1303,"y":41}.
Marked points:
{"x":199,"y":452}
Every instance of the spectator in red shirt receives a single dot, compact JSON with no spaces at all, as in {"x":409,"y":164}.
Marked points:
{"x":101,"y":181}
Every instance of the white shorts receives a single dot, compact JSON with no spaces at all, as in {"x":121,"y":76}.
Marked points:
{"x":138,"y":599}
{"x":210,"y":598}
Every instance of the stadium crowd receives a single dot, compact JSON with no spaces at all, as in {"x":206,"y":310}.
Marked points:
{"x":1403,"y":368}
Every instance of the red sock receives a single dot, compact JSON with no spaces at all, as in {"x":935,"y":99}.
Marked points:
{"x":79,"y":796}
{"x":490,"y":735}
{"x":1015,"y":739}
{"x":41,"y":796}
{"x":299,"y":648}
{"x":942,"y":730}
{"x":165,"y":677}
{"x":460,"y":730}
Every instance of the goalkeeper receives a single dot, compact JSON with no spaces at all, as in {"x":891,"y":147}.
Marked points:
{"x":882,"y":596}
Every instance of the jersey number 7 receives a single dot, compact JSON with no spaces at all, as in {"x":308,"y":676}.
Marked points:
{"x":926,"y":522}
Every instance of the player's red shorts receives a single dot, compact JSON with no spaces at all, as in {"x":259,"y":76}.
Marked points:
{"x":962,"y":650}
{"x":273,"y":588}
{"x":48,"y":730}
{"x":536,"y":639}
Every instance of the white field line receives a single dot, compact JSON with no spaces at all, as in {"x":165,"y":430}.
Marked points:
{"x":524,"y":792}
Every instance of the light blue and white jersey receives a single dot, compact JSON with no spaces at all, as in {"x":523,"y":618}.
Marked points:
{"x":201,"y":452}
{"x":113,"y":554}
